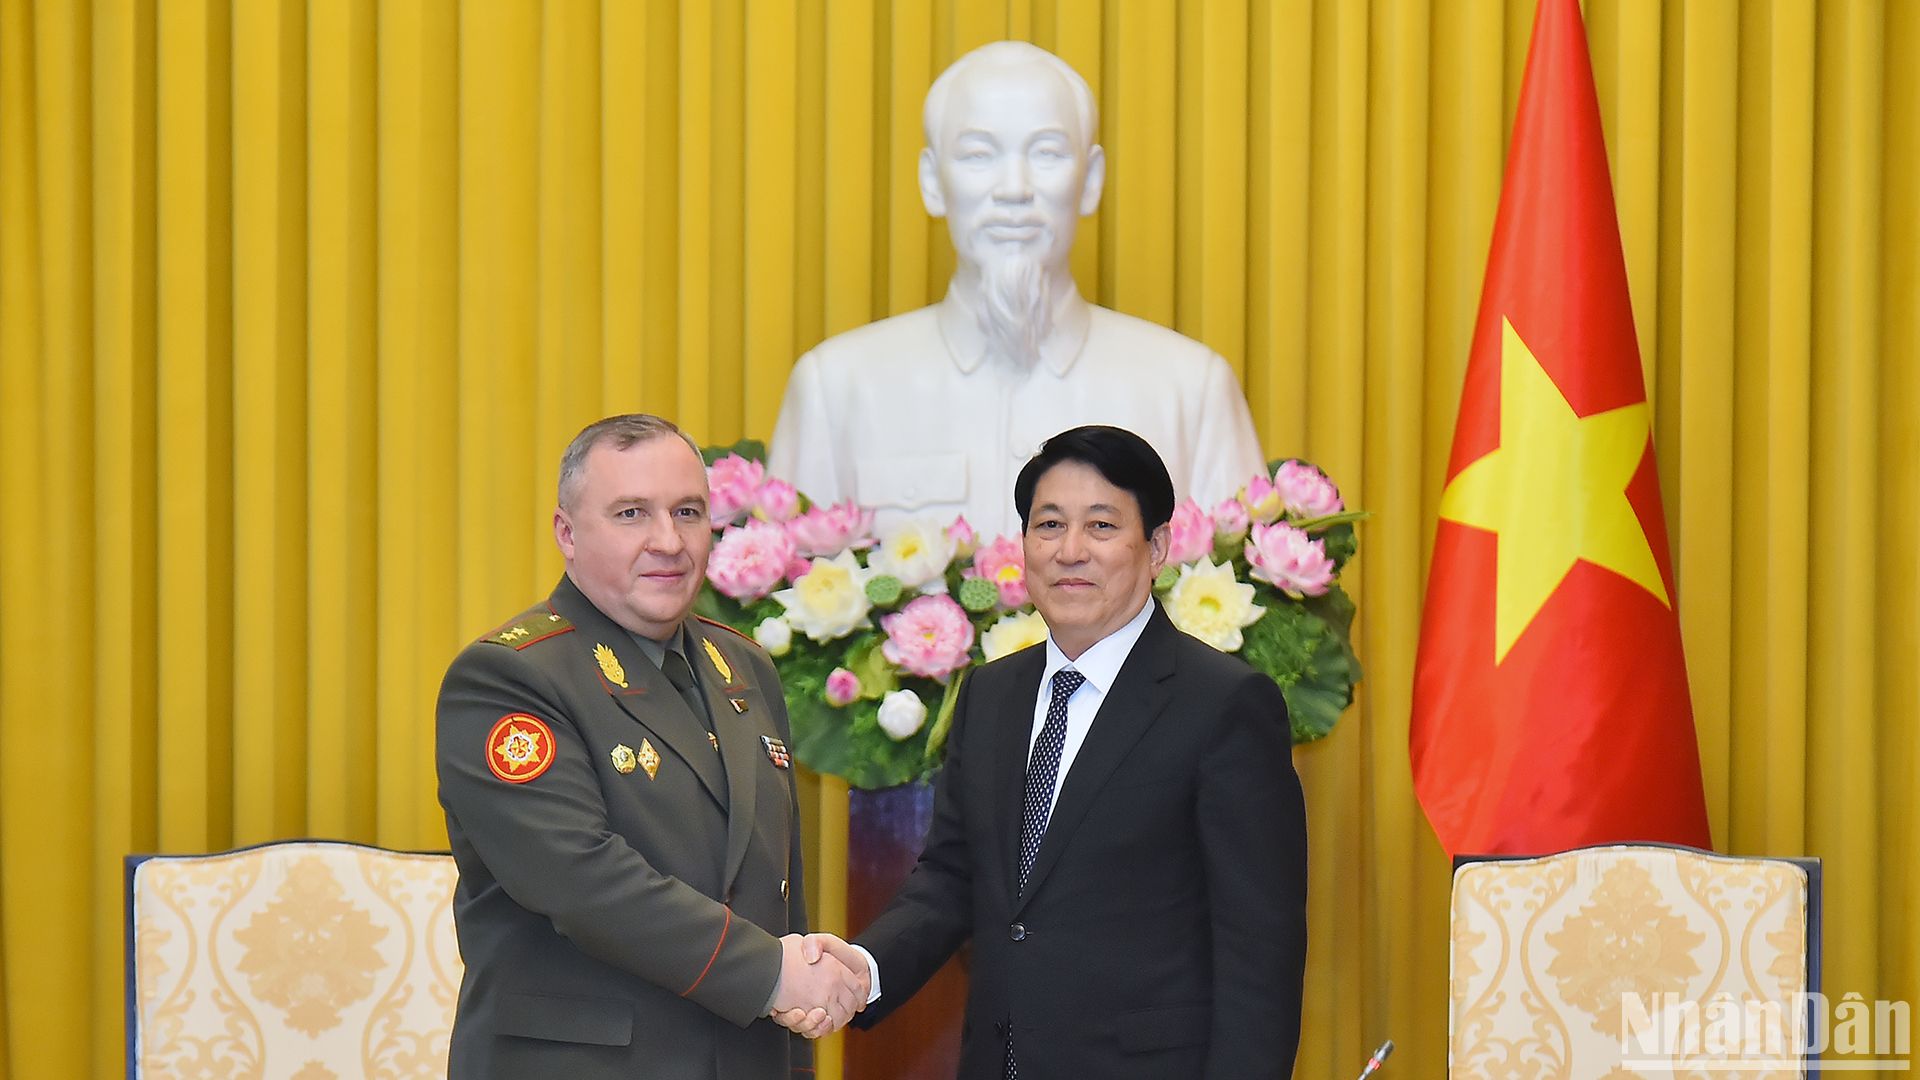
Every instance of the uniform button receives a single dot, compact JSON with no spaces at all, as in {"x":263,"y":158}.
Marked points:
{"x":1018,"y":931}
{"x":783,"y":889}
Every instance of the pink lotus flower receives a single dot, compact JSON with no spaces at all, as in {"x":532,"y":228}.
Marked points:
{"x":1005,"y":565}
{"x":1289,"y":560}
{"x":777,"y":501}
{"x":798,"y":568}
{"x":1230,"y":519}
{"x":750,"y":561}
{"x":963,"y":537}
{"x":734,"y":483}
{"x":1191,"y":534}
{"x":826,"y":531}
{"x":1306,"y":491}
{"x":929,"y":637}
{"x":843,"y":687}
{"x":1263,"y":502}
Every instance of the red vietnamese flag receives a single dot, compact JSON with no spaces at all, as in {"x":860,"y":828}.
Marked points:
{"x":1550,"y":702}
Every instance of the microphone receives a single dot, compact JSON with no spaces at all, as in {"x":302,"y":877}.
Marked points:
{"x":1379,"y":1058}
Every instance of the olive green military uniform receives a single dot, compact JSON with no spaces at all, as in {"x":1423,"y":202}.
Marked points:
{"x":625,"y":871}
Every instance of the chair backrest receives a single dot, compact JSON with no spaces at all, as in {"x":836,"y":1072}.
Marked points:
{"x":1624,"y":961}
{"x":304,"y":959}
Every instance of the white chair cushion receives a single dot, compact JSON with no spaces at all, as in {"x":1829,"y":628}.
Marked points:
{"x":1543,"y":951}
{"x":305,"y":960}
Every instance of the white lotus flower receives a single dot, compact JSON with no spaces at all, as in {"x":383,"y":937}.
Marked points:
{"x":830,"y":601}
{"x":1209,"y":603}
{"x":916,"y":552}
{"x":902,"y":713}
{"x":774,"y":635}
{"x":1015,"y":631}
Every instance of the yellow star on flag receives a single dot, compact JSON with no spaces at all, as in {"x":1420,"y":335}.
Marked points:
{"x":1554,"y":491}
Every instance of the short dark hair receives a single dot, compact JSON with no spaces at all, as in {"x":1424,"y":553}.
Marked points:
{"x":1126,"y":460}
{"x":621,"y":432}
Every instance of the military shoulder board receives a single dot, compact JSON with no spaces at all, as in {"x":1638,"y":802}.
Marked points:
{"x":536,"y":625}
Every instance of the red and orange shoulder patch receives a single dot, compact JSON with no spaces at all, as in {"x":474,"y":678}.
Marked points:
{"x":519,"y":748}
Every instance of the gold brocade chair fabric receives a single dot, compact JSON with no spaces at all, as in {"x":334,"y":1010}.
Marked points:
{"x":298,"y":960}
{"x":1607,"y":963}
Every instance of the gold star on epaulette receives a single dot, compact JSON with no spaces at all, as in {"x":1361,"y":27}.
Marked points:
{"x":534,"y":626}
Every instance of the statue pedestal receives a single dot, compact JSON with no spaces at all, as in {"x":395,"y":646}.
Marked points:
{"x":921,"y":1039}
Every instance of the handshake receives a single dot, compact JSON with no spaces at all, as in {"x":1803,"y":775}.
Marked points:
{"x":823,"y":982}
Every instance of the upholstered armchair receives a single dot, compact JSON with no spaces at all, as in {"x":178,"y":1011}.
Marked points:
{"x":1591,"y":964}
{"x":300,"y":960}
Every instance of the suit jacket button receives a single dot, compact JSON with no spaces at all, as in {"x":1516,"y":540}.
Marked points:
{"x":1018,"y":931}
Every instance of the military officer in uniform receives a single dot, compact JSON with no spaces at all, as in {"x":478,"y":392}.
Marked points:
{"x":620,"y":802}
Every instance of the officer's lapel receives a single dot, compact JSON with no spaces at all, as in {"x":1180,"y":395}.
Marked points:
{"x":740,"y":748}
{"x":607,"y":654}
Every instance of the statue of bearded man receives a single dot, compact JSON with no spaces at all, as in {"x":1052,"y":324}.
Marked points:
{"x":932,"y":413}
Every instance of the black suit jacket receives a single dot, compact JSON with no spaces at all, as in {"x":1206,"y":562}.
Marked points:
{"x":1163,"y":929}
{"x":622,"y":887}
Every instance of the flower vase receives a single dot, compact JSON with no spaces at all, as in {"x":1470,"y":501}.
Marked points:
{"x":920,"y":1040}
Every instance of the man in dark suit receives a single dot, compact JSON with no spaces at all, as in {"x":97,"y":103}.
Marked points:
{"x":1118,"y":829}
{"x":620,"y":802}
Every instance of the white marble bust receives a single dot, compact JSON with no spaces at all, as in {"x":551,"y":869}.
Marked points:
{"x":932,"y":413}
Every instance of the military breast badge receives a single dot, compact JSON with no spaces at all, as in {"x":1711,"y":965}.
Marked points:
{"x":719,"y":662}
{"x":519,"y":748}
{"x":610,"y":666}
{"x":649,"y":758}
{"x":777,"y":752}
{"x":624,"y":759}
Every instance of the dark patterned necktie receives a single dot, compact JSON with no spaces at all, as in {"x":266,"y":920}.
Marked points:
{"x":680,"y":673}
{"x":1042,"y":768}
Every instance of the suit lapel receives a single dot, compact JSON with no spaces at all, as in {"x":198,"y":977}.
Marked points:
{"x":646,"y":696}
{"x":740,"y":749}
{"x":1012,"y":717}
{"x":1138,"y":696}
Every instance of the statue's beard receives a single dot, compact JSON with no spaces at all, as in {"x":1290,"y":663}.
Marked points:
{"x":1016,"y":309}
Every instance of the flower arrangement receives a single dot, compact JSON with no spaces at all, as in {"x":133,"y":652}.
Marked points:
{"x":874,"y":634}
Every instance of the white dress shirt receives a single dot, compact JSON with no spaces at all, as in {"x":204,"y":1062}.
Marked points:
{"x":1101,"y":665}
{"x":913,"y":417}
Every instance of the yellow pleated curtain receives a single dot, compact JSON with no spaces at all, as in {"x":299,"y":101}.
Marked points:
{"x":300,"y":301}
